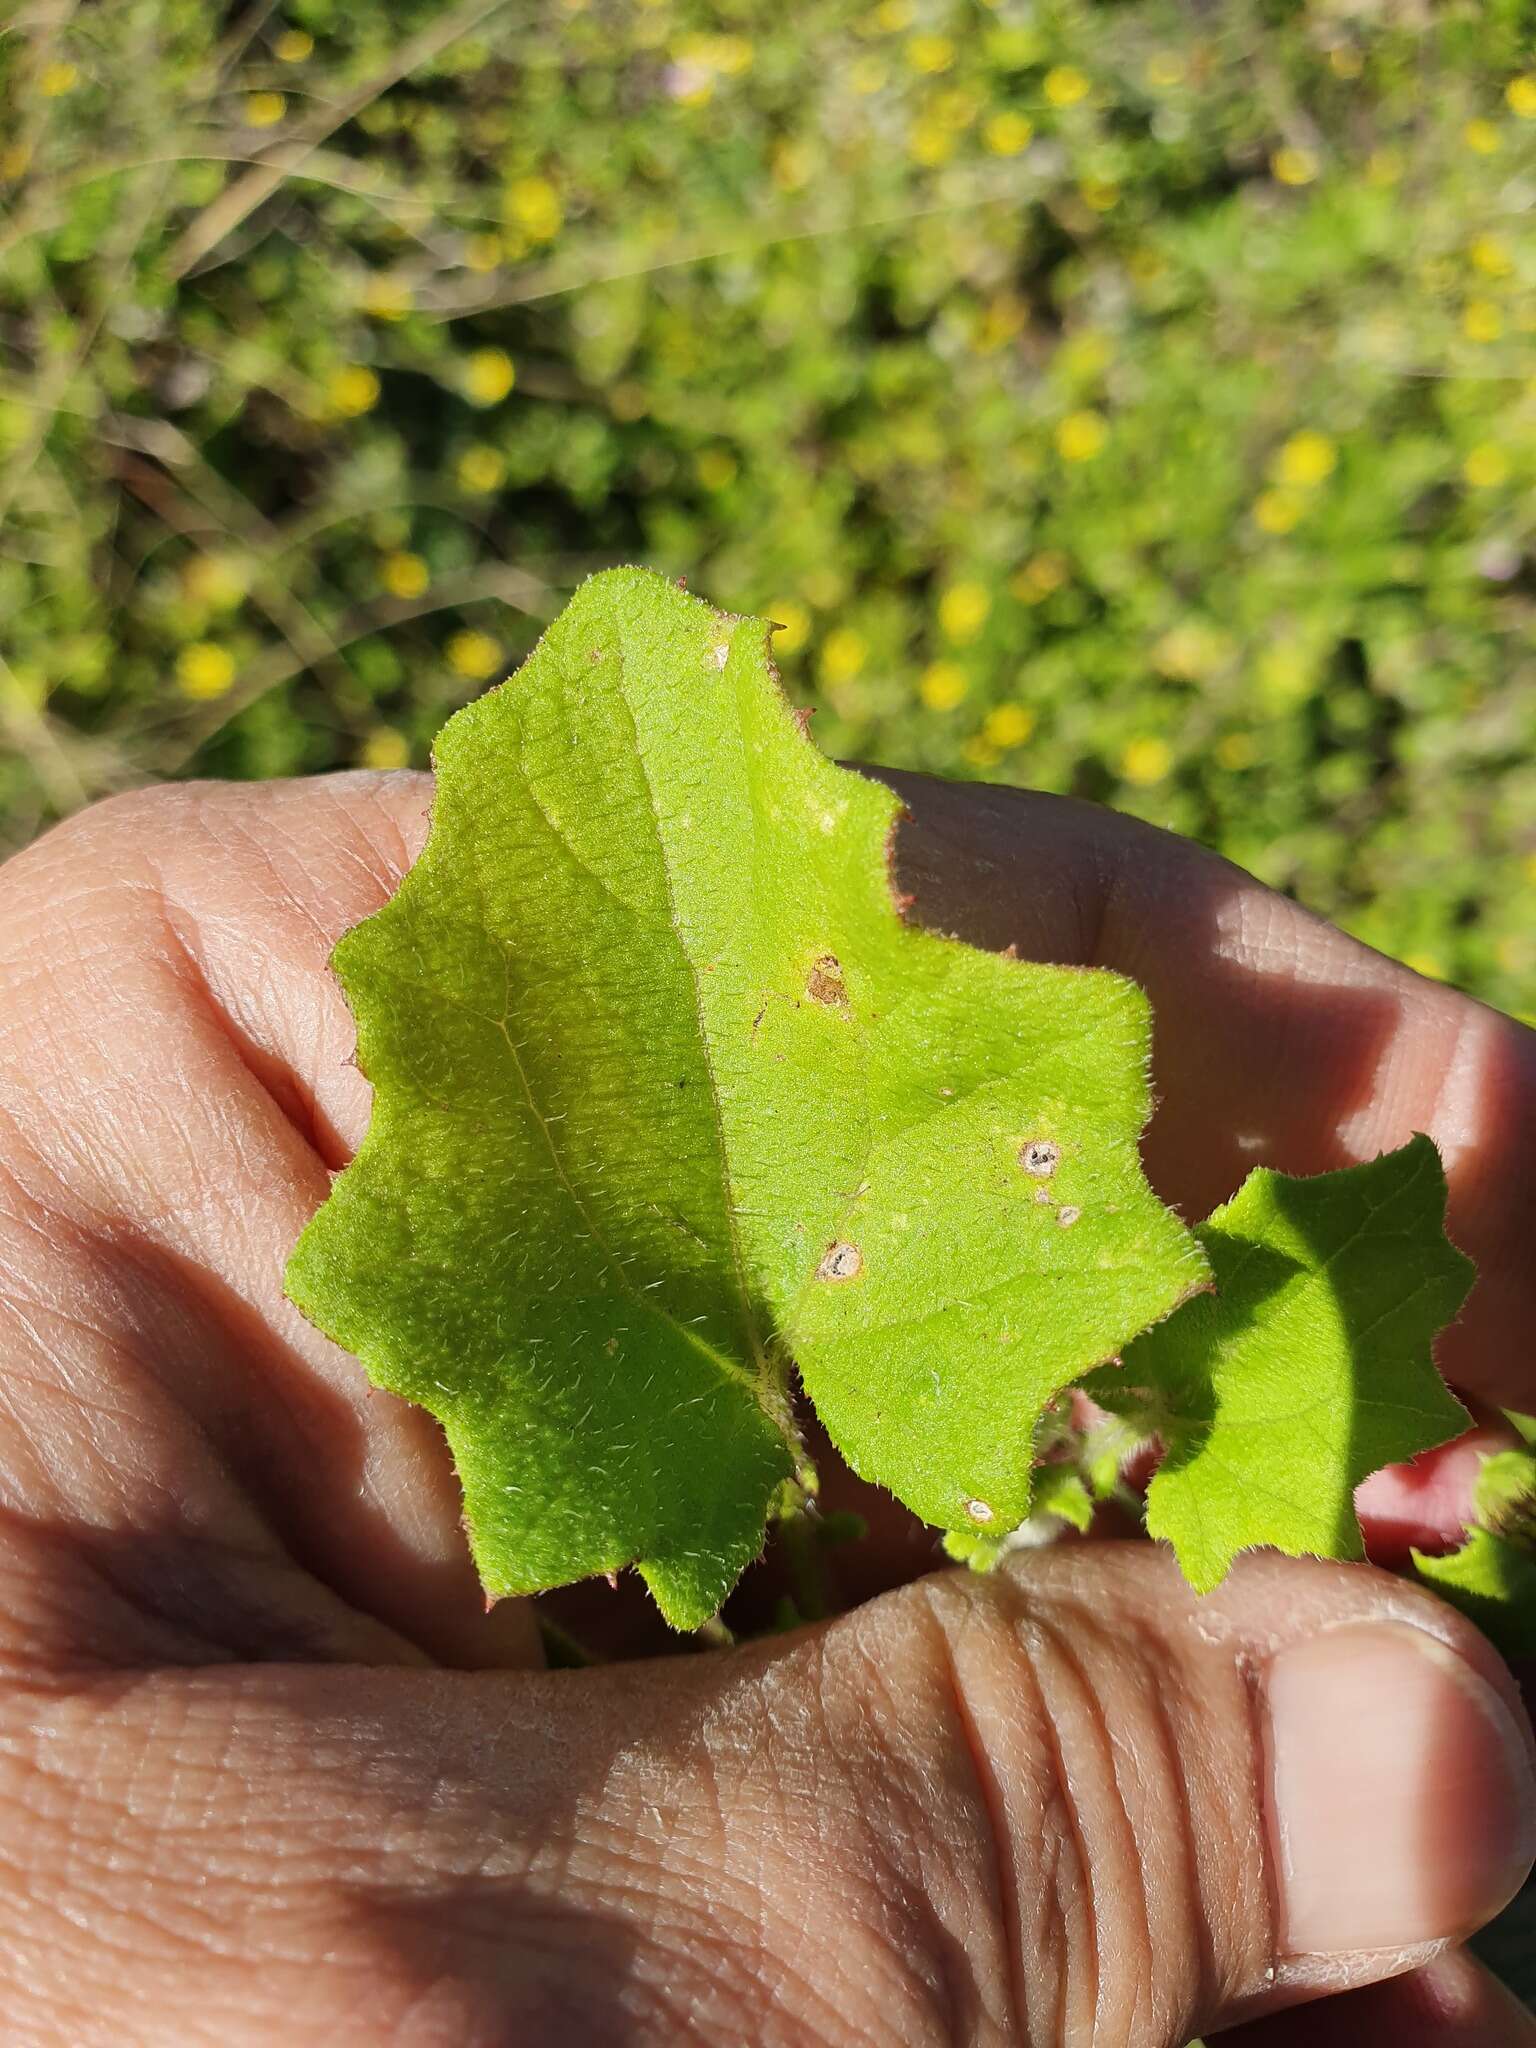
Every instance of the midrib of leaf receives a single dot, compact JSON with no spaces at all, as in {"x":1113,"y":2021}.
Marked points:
{"x":764,"y":1380}
{"x":727,"y":1367}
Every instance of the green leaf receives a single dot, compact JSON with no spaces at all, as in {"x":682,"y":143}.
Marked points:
{"x":1492,"y":1577}
{"x":668,"y":1093}
{"x":1309,"y":1368}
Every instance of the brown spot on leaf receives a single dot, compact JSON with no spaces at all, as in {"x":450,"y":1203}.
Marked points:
{"x":1068,"y":1216}
{"x":825,"y":984}
{"x":840,"y":1262}
{"x":980,"y":1510}
{"x":1040,"y":1157}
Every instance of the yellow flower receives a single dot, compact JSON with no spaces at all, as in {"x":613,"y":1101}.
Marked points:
{"x":1167,"y":68}
{"x":1285,"y":675}
{"x":1277,"y":511}
{"x":1489,"y":255}
{"x":218,"y":581}
{"x":1099,"y":193}
{"x":489,"y":375}
{"x":1481,"y":137}
{"x":729,"y":56}
{"x":353,"y":389}
{"x":943,"y":685}
{"x":1146,"y":761}
{"x":1306,"y":458}
{"x":1085,"y":354}
{"x":386,"y":298}
{"x":293,"y":46}
{"x":930,"y":54}
{"x":54,"y":80}
{"x":794,"y":625}
{"x":264,"y":109}
{"x":1486,"y":466}
{"x":404,"y":575}
{"x":481,"y":469}
{"x":385,"y":748}
{"x":1007,"y":133}
{"x":979,"y":751}
{"x":1237,"y":750}
{"x":483,"y":252}
{"x":894,"y":15}
{"x":533,"y":204}
{"x":1009,"y":725}
{"x":843,"y":654}
{"x":715,"y":468}
{"x":1346,"y":61}
{"x":929,"y":143}
{"x":1294,"y":166}
{"x":1481,"y":320}
{"x":867,"y":75}
{"x":955,"y":109}
{"x":475,"y":655}
{"x":1065,"y":85}
{"x":1040,"y":575}
{"x":1004,"y":316}
{"x":1521,"y":95}
{"x":1189,"y":651}
{"x":1080,"y":436}
{"x":963,"y":612}
{"x":793,"y":163}
{"x":204,"y":670}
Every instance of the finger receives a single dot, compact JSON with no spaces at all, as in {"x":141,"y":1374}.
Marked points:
{"x":1452,"y":2002}
{"x":174,"y":1083}
{"x":1278,"y":1041}
{"x":1058,"y":1805}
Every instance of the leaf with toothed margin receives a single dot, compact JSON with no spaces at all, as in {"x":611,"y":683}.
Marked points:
{"x":669,"y":1094}
{"x":1308,"y":1369}
{"x":1492,"y":1576}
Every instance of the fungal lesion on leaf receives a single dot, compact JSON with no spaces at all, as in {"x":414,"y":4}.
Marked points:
{"x":1040,"y":1157}
{"x":840,"y":1261}
{"x":825,"y":984}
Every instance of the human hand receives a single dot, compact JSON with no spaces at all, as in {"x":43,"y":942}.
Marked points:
{"x":271,"y":1774}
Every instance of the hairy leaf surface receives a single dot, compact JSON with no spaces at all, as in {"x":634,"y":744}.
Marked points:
{"x":1492,"y":1577}
{"x":668,"y":1095}
{"x":1307,"y":1370}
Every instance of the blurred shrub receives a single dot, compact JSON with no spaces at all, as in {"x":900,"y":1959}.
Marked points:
{"x":1134,"y":400}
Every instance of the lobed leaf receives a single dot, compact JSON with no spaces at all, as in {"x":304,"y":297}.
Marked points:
{"x":668,"y":1094}
{"x":1307,"y":1370}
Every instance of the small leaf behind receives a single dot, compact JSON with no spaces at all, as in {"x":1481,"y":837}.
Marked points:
{"x":1307,"y":1370}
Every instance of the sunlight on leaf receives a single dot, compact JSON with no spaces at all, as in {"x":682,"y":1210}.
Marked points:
{"x":668,"y":1094}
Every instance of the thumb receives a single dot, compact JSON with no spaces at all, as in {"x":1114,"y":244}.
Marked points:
{"x":1074,"y":1804}
{"x":1066,"y":1804}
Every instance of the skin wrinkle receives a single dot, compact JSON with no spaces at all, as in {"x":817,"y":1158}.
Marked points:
{"x":1002,"y":1879}
{"x":1196,"y":1893}
{"x":904,"y":1833}
{"x":1085,"y":1863}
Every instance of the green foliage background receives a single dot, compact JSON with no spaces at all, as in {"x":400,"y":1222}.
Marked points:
{"x":1136,"y":400}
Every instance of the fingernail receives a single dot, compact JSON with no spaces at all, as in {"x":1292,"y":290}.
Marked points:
{"x":1402,"y":1803}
